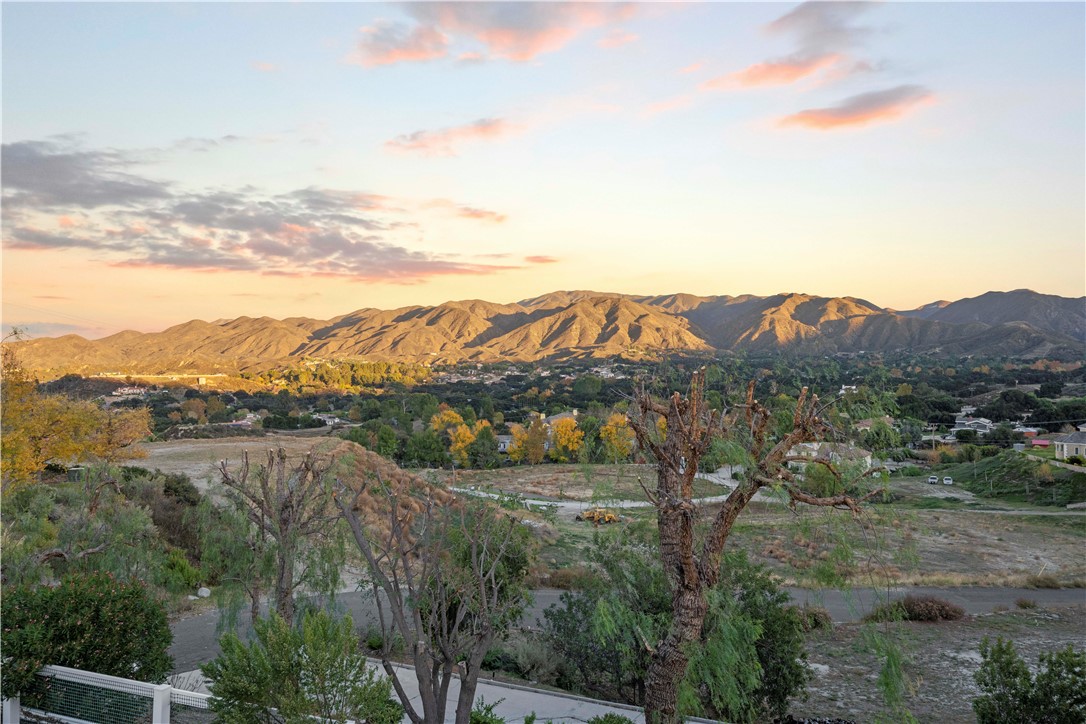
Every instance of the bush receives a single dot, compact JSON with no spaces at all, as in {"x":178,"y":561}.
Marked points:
{"x":92,"y":622}
{"x":1025,"y":603}
{"x":317,"y":670}
{"x":916,"y":608}
{"x":812,"y":618}
{"x":610,"y":719}
{"x":483,"y":713}
{"x":1046,"y":580}
{"x":1076,"y":460}
{"x":1010,"y":695}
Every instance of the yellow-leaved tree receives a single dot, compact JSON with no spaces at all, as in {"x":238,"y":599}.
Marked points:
{"x":566,"y":440}
{"x":40,"y":429}
{"x":518,"y":446}
{"x":617,"y":437}
{"x":462,"y":438}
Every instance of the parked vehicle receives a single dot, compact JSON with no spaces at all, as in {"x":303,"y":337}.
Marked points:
{"x":948,"y":480}
{"x":933,"y":479}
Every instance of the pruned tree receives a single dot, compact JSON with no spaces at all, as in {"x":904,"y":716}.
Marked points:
{"x":446,"y":575}
{"x":291,"y":516}
{"x":692,"y":561}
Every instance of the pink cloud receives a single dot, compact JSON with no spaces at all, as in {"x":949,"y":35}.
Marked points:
{"x":781,"y":71}
{"x":671,"y":104}
{"x":467,"y":212}
{"x":692,"y":68}
{"x":511,"y":31}
{"x":67,"y":222}
{"x":386,"y":43}
{"x":863,"y":109}
{"x":443,"y":142}
{"x":265,"y":67}
{"x":616,"y":38}
{"x":541,"y":259}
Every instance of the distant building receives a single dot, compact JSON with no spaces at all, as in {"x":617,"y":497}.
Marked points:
{"x":1071,"y":444}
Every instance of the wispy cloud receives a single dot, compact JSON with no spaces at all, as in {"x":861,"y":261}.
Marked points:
{"x":541,"y":259}
{"x":863,"y":109}
{"x":143,"y":223}
{"x":445,"y":141}
{"x":467,"y":212}
{"x":773,"y":72}
{"x":617,"y":38}
{"x":265,"y":67}
{"x":57,"y":173}
{"x":824,"y":34}
{"x":385,"y":43}
{"x":518,"y":31}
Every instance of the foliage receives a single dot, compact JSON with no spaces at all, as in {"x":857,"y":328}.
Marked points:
{"x":284,"y":529}
{"x":483,"y":713}
{"x":40,"y":429}
{"x":617,"y":438}
{"x":916,"y":608}
{"x":447,"y":574}
{"x":610,"y":719}
{"x":746,"y":665}
{"x":483,"y":450}
{"x":568,"y":439}
{"x":535,"y":441}
{"x":1011,"y":695}
{"x":424,"y":449}
{"x":291,"y":674}
{"x":78,"y":527}
{"x":93,"y":622}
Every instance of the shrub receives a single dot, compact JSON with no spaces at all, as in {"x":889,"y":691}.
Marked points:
{"x":317,"y":670}
{"x":813,"y":618}
{"x":1076,"y":460}
{"x":610,"y":719}
{"x":1046,"y":580}
{"x":1010,"y":695}
{"x":483,"y":713}
{"x":916,"y":608}
{"x":91,"y":622}
{"x":1025,"y":603}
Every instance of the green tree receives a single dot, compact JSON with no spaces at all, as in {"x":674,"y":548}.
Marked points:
{"x":692,"y":553}
{"x":446,"y":574}
{"x":1011,"y":695}
{"x":483,"y":450}
{"x":425,"y":449}
{"x":291,"y":518}
{"x":94,"y":622}
{"x":296,"y":674}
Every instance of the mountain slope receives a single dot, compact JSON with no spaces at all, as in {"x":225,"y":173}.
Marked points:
{"x":573,"y":324}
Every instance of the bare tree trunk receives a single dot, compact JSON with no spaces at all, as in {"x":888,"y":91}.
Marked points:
{"x":668,"y":665}
{"x":284,"y":585}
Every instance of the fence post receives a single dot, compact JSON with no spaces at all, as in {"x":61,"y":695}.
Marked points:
{"x":160,"y":707}
{"x":12,"y":711}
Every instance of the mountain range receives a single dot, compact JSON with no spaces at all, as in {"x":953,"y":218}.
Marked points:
{"x":585,"y":324}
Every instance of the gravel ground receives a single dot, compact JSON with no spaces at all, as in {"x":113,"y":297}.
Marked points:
{"x":941,"y":660}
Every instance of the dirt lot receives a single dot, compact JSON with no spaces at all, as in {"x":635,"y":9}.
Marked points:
{"x":200,"y":458}
{"x":570,"y":482}
{"x":941,"y":660}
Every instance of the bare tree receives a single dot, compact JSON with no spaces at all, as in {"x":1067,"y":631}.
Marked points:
{"x":689,"y":430}
{"x":446,"y":575}
{"x":288,"y":508}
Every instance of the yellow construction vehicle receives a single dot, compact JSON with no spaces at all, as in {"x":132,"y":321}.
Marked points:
{"x":598,"y":515}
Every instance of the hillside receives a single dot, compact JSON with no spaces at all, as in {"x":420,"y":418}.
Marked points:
{"x":585,"y":324}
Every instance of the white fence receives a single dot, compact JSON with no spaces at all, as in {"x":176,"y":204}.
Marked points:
{"x":74,"y":696}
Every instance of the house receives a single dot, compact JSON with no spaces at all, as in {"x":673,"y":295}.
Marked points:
{"x":980,"y":425}
{"x":504,"y":441}
{"x":1070,"y":444}
{"x":1039,"y":442}
{"x":832,"y":452}
{"x":846,"y":389}
{"x":1028,"y":432}
{"x":865,"y":425}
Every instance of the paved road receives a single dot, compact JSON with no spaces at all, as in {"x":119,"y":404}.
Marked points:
{"x":196,"y":639}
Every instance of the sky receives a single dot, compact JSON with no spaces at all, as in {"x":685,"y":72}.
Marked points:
{"x":170,"y":161}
